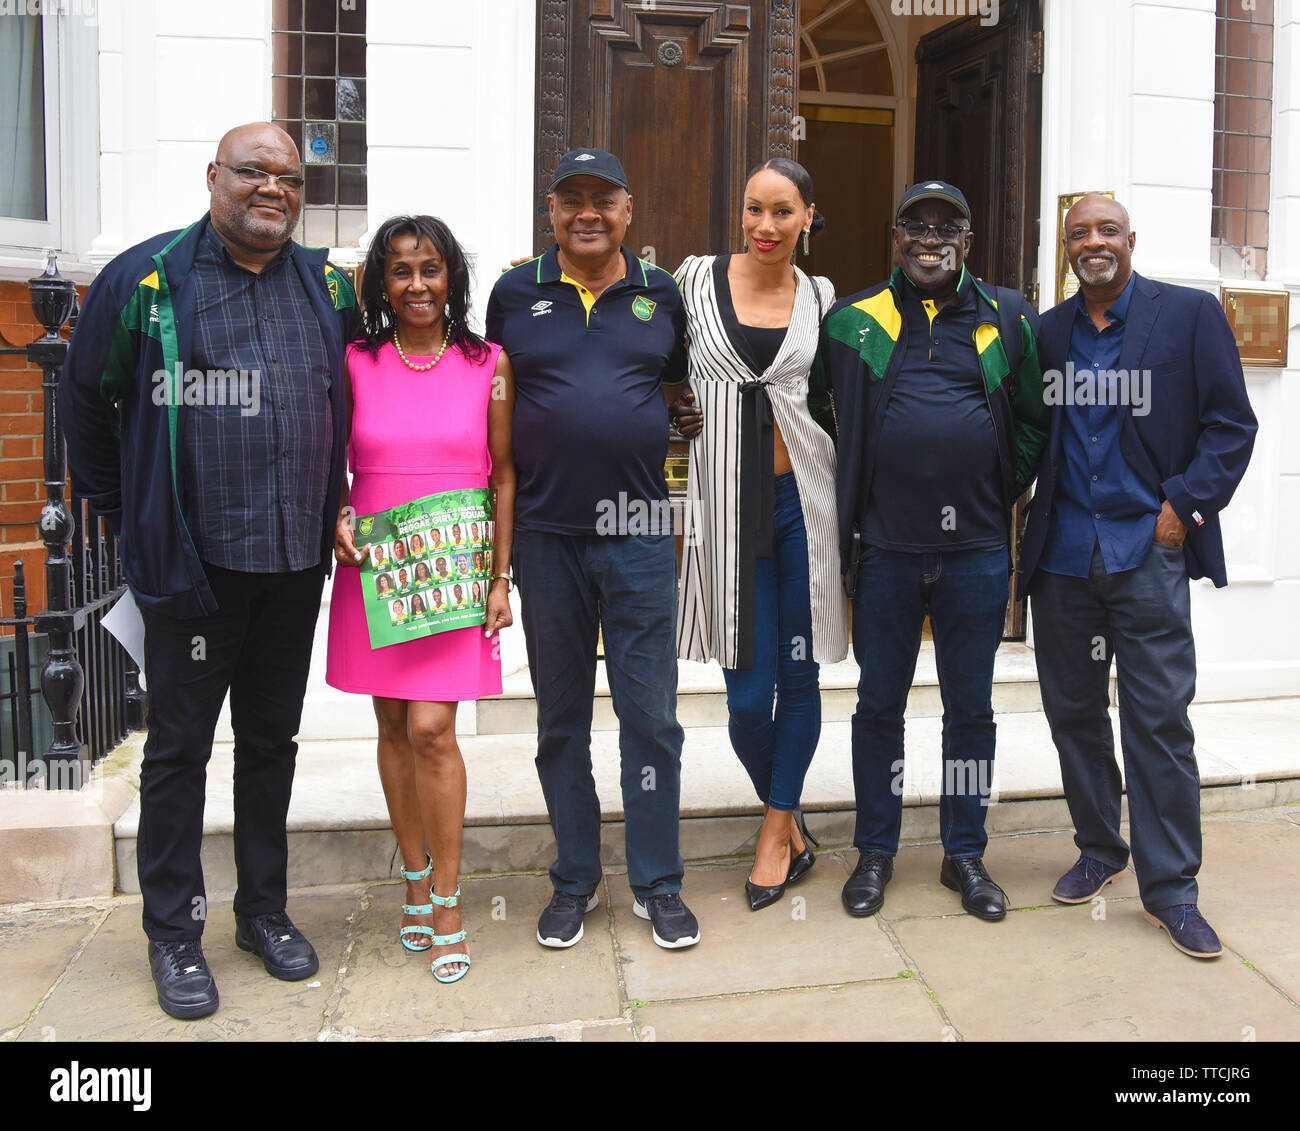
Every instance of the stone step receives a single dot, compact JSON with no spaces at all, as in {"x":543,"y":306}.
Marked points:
{"x":339,"y":830}
{"x":702,"y":694}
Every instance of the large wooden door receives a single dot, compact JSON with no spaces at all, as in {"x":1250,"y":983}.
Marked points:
{"x":689,"y":95}
{"x":978,"y":126}
{"x":978,"y":123}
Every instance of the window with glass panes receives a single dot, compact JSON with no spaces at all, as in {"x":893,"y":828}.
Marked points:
{"x":1243,"y":133}
{"x":319,"y":97}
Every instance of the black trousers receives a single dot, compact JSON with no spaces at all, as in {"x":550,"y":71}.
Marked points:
{"x":1142,"y":618}
{"x":257,"y":646}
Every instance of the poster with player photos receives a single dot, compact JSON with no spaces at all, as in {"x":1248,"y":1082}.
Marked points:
{"x":430,"y":565}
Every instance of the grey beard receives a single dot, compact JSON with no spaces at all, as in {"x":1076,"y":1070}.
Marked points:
{"x":1105,"y":275}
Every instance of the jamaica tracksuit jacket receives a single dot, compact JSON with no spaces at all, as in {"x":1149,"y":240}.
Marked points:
{"x":863,"y":347}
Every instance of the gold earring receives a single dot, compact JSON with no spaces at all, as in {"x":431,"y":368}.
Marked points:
{"x":805,"y":241}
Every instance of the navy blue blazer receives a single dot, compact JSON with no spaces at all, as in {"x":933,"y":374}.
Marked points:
{"x":1193,"y":446}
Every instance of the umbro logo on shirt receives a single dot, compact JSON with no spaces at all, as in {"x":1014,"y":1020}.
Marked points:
{"x":543,"y":307}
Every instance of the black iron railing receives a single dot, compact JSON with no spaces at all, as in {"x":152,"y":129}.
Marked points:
{"x":90,"y":694}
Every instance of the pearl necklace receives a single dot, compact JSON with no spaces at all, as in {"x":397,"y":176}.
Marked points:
{"x":397,"y":341}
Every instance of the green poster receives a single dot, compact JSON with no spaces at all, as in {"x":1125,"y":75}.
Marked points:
{"x":430,"y":565}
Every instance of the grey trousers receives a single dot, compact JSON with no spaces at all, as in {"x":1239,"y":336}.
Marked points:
{"x":1142,"y":617}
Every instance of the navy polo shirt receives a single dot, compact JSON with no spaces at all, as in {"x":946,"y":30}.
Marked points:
{"x":1099,"y":500}
{"x":590,"y":423}
{"x":937,"y":484}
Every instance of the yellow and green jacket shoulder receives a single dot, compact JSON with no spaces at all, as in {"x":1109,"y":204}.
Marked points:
{"x":862,"y":349}
{"x":120,"y":399}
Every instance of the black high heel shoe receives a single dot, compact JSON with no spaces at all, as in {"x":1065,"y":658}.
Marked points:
{"x":801,"y":864}
{"x":760,"y":897}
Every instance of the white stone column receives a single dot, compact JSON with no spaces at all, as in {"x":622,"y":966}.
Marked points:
{"x":450,"y":131}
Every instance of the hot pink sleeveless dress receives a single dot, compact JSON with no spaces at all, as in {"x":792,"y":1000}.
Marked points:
{"x":413,"y":434}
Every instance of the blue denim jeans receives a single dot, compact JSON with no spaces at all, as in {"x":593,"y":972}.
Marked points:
{"x":965,"y":595}
{"x":776,"y":749}
{"x":572,"y":587}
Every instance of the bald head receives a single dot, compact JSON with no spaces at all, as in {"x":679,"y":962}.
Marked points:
{"x":1093,"y":201}
{"x":254,"y":220}
{"x":1099,"y":244}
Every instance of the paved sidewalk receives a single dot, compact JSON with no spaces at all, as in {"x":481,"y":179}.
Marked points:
{"x":921,"y":970}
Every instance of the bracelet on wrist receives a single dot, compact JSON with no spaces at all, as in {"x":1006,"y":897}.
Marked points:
{"x":510,"y":581}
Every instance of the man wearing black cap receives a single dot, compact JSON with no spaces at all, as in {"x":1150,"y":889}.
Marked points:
{"x":596,"y":332}
{"x":940,"y":407}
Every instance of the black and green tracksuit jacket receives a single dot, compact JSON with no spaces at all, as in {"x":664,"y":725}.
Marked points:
{"x":863,"y":344}
{"x":137,"y":320}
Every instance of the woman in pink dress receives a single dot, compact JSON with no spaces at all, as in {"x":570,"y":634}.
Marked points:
{"x":417,"y":348}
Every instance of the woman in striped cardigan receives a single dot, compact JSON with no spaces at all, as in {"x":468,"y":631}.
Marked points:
{"x":761,"y":590}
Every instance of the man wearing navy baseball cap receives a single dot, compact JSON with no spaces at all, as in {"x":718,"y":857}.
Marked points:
{"x":599,"y":336}
{"x":940,"y":406}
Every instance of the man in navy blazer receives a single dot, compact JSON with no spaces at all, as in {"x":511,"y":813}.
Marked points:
{"x":1151,"y":431}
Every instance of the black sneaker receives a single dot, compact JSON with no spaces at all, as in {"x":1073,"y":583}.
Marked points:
{"x":560,"y":923}
{"x":283,"y":949}
{"x":185,"y":985}
{"x":671,"y":921}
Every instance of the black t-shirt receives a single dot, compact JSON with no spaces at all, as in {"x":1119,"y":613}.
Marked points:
{"x":590,"y":423}
{"x":937,"y":476}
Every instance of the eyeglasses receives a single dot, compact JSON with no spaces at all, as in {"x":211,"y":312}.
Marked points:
{"x":947,"y":232}
{"x":259,"y":177}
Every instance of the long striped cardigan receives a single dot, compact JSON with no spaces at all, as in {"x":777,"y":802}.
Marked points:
{"x":712,"y":620}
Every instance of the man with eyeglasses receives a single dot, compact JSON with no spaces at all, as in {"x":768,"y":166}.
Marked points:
{"x":225,"y":510}
{"x":939,"y":402}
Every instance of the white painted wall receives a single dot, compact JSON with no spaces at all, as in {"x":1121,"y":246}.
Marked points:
{"x":1128,"y":105}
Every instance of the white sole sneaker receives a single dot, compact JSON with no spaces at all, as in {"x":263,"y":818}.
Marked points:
{"x":640,"y":911}
{"x":561,"y":944}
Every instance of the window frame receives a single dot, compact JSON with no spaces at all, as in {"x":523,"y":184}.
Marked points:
{"x":34,"y":235}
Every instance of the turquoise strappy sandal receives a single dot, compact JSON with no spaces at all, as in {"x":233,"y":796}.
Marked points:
{"x":449,"y":940}
{"x":417,"y":909}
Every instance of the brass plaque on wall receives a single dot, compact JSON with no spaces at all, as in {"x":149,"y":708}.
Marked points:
{"x":1260,"y":323}
{"x":1067,"y":283}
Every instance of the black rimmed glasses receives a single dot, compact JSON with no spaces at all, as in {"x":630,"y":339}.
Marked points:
{"x":290,"y":182}
{"x":948,"y":232}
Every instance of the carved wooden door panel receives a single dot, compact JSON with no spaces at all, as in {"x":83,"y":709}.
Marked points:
{"x":978,"y":126}
{"x":689,"y":95}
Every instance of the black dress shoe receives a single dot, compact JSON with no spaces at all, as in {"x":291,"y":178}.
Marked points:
{"x":864,"y":893}
{"x":979,"y":894}
{"x":284,"y":951}
{"x":185,"y":986}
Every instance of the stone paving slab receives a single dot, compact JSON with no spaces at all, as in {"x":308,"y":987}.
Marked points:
{"x":921,"y":970}
{"x":1026,"y":867}
{"x":388,"y":992}
{"x":1249,"y":875}
{"x":108,"y":994}
{"x":896,"y":1010}
{"x":1059,"y":974}
{"x":805,"y":940}
{"x":35,"y":949}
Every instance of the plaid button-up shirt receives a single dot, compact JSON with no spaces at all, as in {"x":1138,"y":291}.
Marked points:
{"x":255,"y":445}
